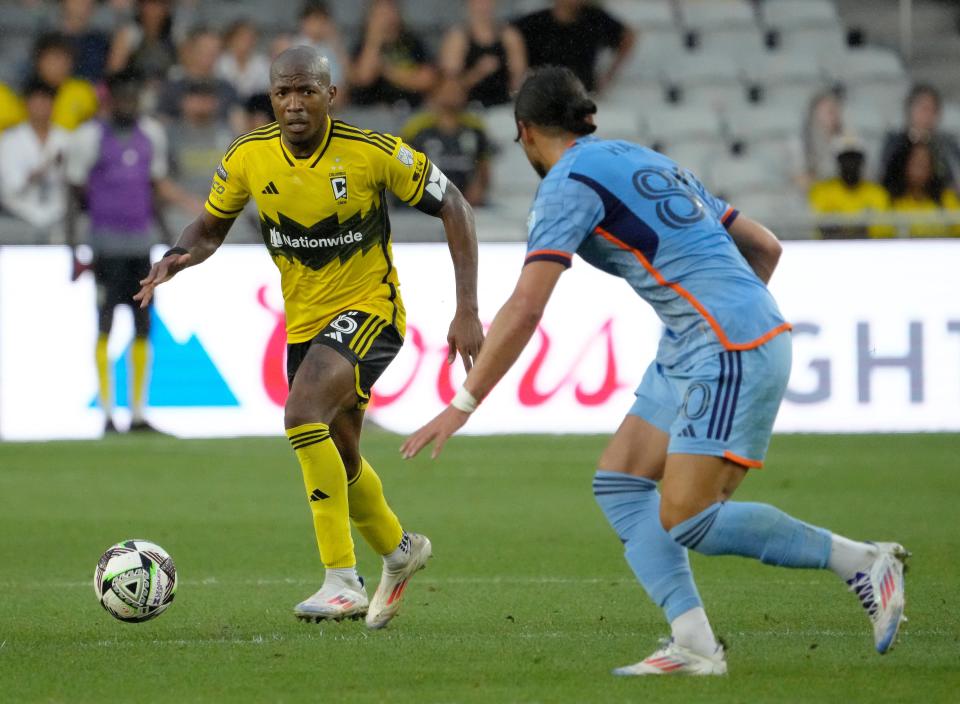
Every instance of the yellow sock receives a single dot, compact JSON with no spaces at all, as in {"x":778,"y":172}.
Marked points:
{"x":103,"y":374}
{"x":325,"y":480}
{"x":369,"y":510}
{"x":139,"y":354}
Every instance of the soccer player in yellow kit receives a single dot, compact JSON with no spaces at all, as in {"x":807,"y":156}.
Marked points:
{"x":319,"y":186}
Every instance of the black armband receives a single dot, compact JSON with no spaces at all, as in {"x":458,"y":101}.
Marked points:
{"x":431,"y":202}
{"x":175,"y":250}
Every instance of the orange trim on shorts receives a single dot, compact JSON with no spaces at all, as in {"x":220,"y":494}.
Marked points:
{"x":553,"y":252}
{"x":686,"y":295}
{"x":742,"y":461}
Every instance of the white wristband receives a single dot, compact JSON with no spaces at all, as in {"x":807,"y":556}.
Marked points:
{"x":464,"y":401}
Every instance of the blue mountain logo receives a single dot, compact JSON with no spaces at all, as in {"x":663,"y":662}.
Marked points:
{"x":181,"y":375}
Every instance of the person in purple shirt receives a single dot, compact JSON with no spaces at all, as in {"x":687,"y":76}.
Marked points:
{"x":114,"y":165}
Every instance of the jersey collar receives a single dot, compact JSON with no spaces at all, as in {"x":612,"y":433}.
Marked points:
{"x":313,"y":159}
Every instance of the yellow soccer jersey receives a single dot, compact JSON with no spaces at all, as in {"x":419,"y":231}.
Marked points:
{"x":324,"y":217}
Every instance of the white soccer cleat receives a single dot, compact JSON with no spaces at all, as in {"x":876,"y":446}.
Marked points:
{"x":881,"y":592}
{"x":393,"y":582}
{"x":335,"y":601}
{"x":673,"y":659}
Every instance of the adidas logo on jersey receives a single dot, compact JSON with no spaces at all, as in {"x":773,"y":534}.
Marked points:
{"x":271,"y":189}
{"x":687,"y":432}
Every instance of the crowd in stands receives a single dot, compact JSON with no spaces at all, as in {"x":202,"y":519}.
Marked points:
{"x":446,"y":87}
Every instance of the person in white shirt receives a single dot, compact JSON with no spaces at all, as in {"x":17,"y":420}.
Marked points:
{"x":245,"y":68}
{"x":33,"y":183}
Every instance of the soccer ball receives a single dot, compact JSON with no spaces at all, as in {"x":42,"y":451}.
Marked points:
{"x":135,"y":580}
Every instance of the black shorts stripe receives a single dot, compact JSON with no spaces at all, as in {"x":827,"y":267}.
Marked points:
{"x":736,"y":396}
{"x":357,"y":138}
{"x":716,"y":399}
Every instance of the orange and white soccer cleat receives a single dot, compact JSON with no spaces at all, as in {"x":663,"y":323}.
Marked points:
{"x":673,"y":659}
{"x":394,"y":581}
{"x":337,"y":600}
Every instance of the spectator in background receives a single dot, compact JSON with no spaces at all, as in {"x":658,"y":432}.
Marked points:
{"x":117,"y":164}
{"x":199,"y":139}
{"x":916,"y":186}
{"x":454,"y":140}
{"x":257,"y":112}
{"x":923,"y":113}
{"x":488,"y":56}
{"x":391,"y":64}
{"x":90,"y":46}
{"x":245,"y":68}
{"x":32,"y":180}
{"x":848,"y":194}
{"x":822,"y":126}
{"x":199,"y":54}
{"x":319,"y":30}
{"x":571,"y":34}
{"x":75,"y":100}
{"x":146,"y":45}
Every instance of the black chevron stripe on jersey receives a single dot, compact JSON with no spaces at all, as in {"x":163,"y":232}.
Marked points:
{"x":380,"y":137}
{"x":296,"y":238}
{"x":267,"y":133}
{"x":360,"y":137}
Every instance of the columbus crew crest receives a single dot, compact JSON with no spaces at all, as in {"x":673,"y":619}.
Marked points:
{"x":339,"y":185}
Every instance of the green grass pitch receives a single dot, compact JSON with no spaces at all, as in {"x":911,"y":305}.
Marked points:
{"x":527,"y":599}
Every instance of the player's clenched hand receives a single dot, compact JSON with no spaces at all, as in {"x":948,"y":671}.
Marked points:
{"x":465,"y":336}
{"x":162,"y":271}
{"x":436,"y":431}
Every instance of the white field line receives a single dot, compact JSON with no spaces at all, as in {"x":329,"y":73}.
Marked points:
{"x":218,"y":582}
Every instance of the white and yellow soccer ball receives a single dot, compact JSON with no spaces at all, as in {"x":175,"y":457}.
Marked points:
{"x":135,"y":580}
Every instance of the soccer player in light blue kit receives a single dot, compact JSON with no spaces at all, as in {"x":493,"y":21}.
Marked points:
{"x":705,"y":408}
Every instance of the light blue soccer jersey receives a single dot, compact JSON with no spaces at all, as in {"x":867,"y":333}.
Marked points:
{"x":634,"y":213}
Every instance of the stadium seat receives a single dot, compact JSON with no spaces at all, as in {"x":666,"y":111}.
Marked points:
{"x":783,"y":14}
{"x":643,"y":16}
{"x":701,"y":14}
{"x":882,"y":98}
{"x":642,"y":96}
{"x":720,"y":97}
{"x":619,"y":121}
{"x":744,"y":44}
{"x":823,"y":42}
{"x":787,"y":211}
{"x":699,"y":67}
{"x":764,"y":122}
{"x":874,"y":64}
{"x":673,"y":126}
{"x":697,"y":157}
{"x":790,"y":96}
{"x":501,"y":124}
{"x":951,"y":118}
{"x":653,"y":51}
{"x":786,"y":67}
{"x":730,"y":173}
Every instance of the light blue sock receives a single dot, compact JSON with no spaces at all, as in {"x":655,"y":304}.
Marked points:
{"x":632,"y":506}
{"x":755,"y":530}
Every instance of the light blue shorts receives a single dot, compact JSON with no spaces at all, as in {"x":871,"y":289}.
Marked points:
{"x":723,"y":405}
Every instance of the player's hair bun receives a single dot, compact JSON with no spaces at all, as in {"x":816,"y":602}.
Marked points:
{"x":553,"y":96}
{"x":575,"y":118}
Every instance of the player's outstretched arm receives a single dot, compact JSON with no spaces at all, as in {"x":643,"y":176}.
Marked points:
{"x":758,"y":245}
{"x":466,"y":332}
{"x":510,"y":332}
{"x":199,"y":240}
